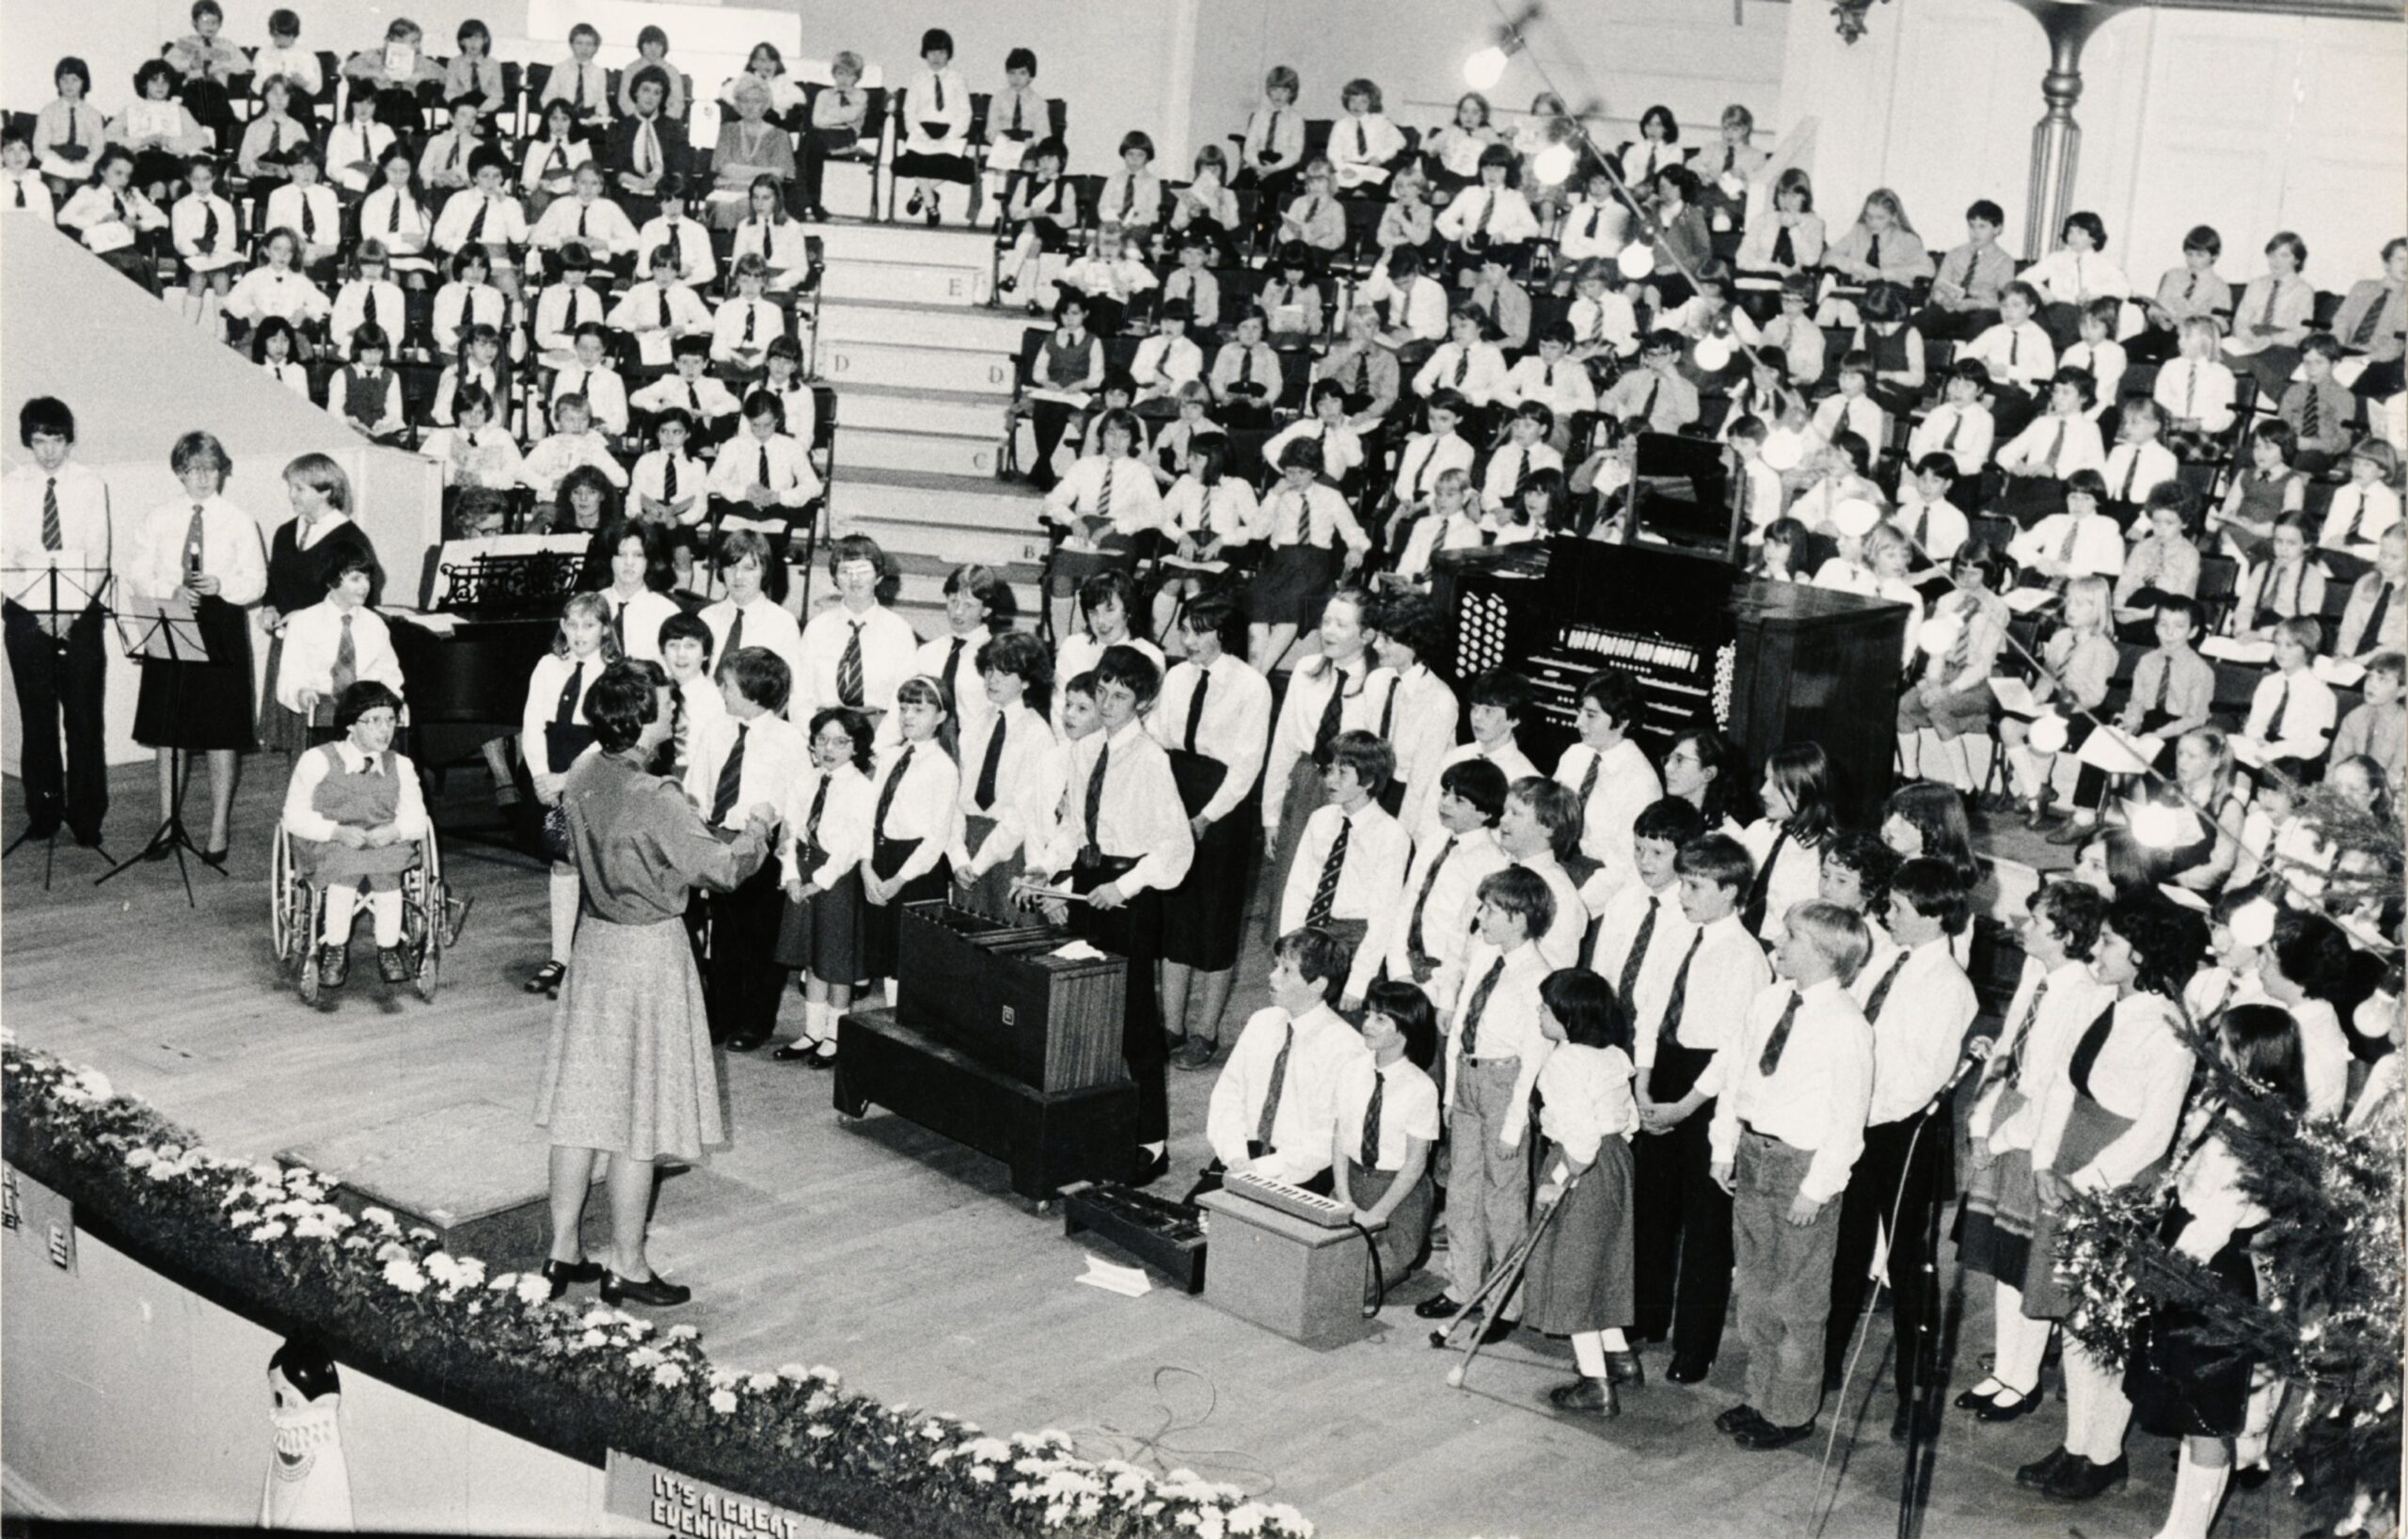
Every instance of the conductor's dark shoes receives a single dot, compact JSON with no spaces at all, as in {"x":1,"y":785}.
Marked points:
{"x":1439,"y":1307}
{"x":2033,"y":1476}
{"x":745,"y":1043}
{"x":1687,"y":1369}
{"x":1764,"y":1435}
{"x":1585,"y":1396}
{"x":1737,"y":1417}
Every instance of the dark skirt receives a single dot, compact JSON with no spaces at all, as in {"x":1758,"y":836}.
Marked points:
{"x":1404,"y":1245}
{"x":822,"y":934}
{"x":1580,"y":1272}
{"x":281,"y":731}
{"x":629,"y":1070}
{"x":2089,"y":1128}
{"x":2182,"y":1386}
{"x":202,"y":705}
{"x":1210,"y":902}
{"x":882,"y":923}
{"x":1296,"y":582}
{"x":919,"y":166}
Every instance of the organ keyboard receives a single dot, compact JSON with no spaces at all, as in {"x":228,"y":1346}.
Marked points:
{"x":1295,"y":1201}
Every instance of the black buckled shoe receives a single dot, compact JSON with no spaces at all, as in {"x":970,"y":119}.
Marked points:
{"x":561,"y":1274}
{"x":655,"y":1290}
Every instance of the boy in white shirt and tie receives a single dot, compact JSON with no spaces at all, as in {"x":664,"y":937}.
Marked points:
{"x":1274,"y":1106}
{"x":1456,"y":852}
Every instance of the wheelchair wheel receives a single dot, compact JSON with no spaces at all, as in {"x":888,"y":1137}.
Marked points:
{"x":304,"y":939}
{"x":281,"y":899}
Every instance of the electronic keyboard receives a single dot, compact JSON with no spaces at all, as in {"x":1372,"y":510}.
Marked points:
{"x":1295,"y":1201}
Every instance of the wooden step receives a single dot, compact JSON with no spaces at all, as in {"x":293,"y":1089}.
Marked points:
{"x":976,"y":329}
{"x":916,"y":283}
{"x":916,"y":449}
{"x":944,"y":542}
{"x":896,"y":410}
{"x":953,"y":518}
{"x":947,"y":245}
{"x":847,"y":363}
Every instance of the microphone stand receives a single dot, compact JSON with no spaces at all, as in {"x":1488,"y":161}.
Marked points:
{"x":1921,"y":1354}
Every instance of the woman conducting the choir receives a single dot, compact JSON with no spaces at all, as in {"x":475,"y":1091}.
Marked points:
{"x":629,"y":1074}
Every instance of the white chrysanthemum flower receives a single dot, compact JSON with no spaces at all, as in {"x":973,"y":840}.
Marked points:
{"x":723,"y":1401}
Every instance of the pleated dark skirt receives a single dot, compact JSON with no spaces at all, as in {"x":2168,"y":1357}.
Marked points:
{"x":280,"y":730}
{"x":1580,"y":1273}
{"x":822,"y":934}
{"x":1211,"y":903}
{"x":2182,"y":1383}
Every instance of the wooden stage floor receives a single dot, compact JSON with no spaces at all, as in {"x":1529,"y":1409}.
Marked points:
{"x":905,"y":1262}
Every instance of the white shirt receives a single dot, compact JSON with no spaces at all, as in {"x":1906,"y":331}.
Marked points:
{"x":2358,"y":515}
{"x":1626,"y":784}
{"x":764,"y":626}
{"x":2055,"y":446}
{"x":938,"y":660}
{"x":1424,"y":459}
{"x":458,"y":306}
{"x":1508,"y":1026}
{"x":2309,"y":710}
{"x":843,"y":825}
{"x":1162,"y":364}
{"x":1320,"y":1048}
{"x":1618,"y":926}
{"x":775,"y":755}
{"x":85,"y":526}
{"x":2069,"y":277}
{"x":1510,"y":221}
{"x":922,"y":107}
{"x":646,"y":308}
{"x":1121,"y":489}
{"x":690,"y":240}
{"x":1477,"y":373}
{"x":651,"y":479}
{"x":264,"y":292}
{"x":2324,"y":1055}
{"x":1299,"y":722}
{"x":1972,"y":430}
{"x":1816,"y":1096}
{"x":643,"y":616}
{"x":2097,"y":547}
{"x":505,"y":221}
{"x":2197,"y":389}
{"x":601,"y":226}
{"x":302,"y":819}
{"x":404,"y":228}
{"x":2133,"y":470}
{"x":1369,"y":881}
{"x":489,"y":454}
{"x":729,"y":343}
{"x":1227,"y":512}
{"x":1138,"y":815}
{"x":1028,"y":788}
{"x":2140,"y":1073}
{"x":1408,"y":1108}
{"x":1508,"y":465}
{"x":29,"y":194}
{"x":558,"y":312}
{"x":231,"y":551}
{"x":2022,"y":355}
{"x":546,"y":465}
{"x":1421,"y":804}
{"x":1416,"y":714}
{"x":544,"y":681}
{"x":1341,"y":446}
{"x":314,"y":213}
{"x":890,"y":652}
{"x":605,"y":392}
{"x":1861,"y":416}
{"x":1584,"y":1099}
{"x":311,"y":638}
{"x":1464,"y":860}
{"x":791,"y":477}
{"x":1726,"y":971}
{"x":702,"y":398}
{"x":2073,"y":1000}
{"x":1560,"y":945}
{"x":922,"y":807}
{"x":1320,"y":516}
{"x":1796,"y":873}
{"x":188,"y":222}
{"x":780,"y":245}
{"x":1359,"y":147}
{"x":1564,"y":387}
{"x":1921,"y":1029}
{"x":1235,"y":728}
{"x":359,"y":303}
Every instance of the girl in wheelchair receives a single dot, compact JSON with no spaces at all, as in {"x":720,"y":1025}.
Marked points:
{"x":355,"y":817}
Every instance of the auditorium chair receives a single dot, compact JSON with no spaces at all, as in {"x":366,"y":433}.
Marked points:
{"x":869,"y":152}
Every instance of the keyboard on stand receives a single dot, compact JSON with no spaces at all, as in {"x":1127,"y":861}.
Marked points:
{"x":1295,"y":1201}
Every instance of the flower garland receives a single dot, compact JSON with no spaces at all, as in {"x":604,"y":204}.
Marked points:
{"x":794,"y":1435}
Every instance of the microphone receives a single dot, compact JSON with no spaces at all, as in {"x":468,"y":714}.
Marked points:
{"x":1977,"y":1053}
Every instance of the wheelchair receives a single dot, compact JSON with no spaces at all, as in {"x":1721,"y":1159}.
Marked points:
{"x":431,"y":918}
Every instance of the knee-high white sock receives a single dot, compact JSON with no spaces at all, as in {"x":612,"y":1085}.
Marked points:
{"x":2265,"y":1399}
{"x":564,"y":896}
{"x":2022,"y":1344}
{"x":2023,"y":770}
{"x":1589,"y":1352}
{"x":1614,"y":1339}
{"x":2197,"y":1490}
{"x":339,"y":904}
{"x":818,"y":1019}
{"x":385,"y":914}
{"x":1977,"y":749}
{"x":1911,"y":755}
{"x":2097,"y":1413}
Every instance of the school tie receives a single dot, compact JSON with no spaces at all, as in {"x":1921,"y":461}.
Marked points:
{"x":571,"y":692}
{"x":750,"y":317}
{"x":2266,"y":316}
{"x":2381,"y":607}
{"x":818,"y":806}
{"x":580,"y":102}
{"x":1679,"y":999}
{"x":2131,"y":473}
{"x":1413,"y":945}
{"x":195,"y":543}
{"x":1872,"y":255}
{"x":1362,"y":141}
{"x":1332,"y":867}
{"x":2057,"y":445}
{"x":886,"y":795}
{"x":1421,"y":471}
{"x":1956,"y":427}
{"x":1271,"y":139}
{"x":1245,"y":366}
{"x":345,"y":672}
{"x":1785,"y":253}
{"x":735,"y":640}
{"x":1632,"y":963}
{"x":71,"y":128}
{"x":2191,"y":290}
{"x":2311,"y":417}
{"x":1094,"y":850}
{"x":309,"y":221}
{"x":1647,"y":408}
{"x":731,"y":777}
{"x":1279,"y":1086}
{"x":208,"y":222}
{"x":1752,"y":916}
{"x":1779,"y":1038}
{"x":669,"y":479}
{"x":54,"y":538}
{"x":1369,"y":1155}
{"x":1103,"y":497}
{"x":2073,"y":534}
{"x":848,"y":670}
{"x":1195,"y":707}
{"x":1487,"y":212}
{"x":2023,"y":1031}
{"x":2013,"y":349}
{"x":1479,"y":1006}
{"x":1922,"y":536}
{"x":1463,"y":368}
{"x":2359,"y":338}
{"x":1880,"y":994}
{"x":393,"y":217}
{"x":1016,"y":106}
{"x":992,"y":766}
{"x":648,"y":149}
{"x":20,"y":192}
{"x":938,"y":81}
{"x":1332,"y":712}
{"x":772,"y":485}
{"x":2282,"y":709}
{"x":477,"y":225}
{"x":659,"y":309}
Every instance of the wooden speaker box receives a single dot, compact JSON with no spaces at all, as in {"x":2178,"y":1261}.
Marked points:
{"x":998,"y":994}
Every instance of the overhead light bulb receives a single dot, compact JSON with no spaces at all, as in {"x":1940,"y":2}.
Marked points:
{"x":2155,"y":826}
{"x":1484,"y":69}
{"x":1553,"y":165}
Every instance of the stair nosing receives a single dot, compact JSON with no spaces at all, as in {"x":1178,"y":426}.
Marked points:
{"x":949,"y":398}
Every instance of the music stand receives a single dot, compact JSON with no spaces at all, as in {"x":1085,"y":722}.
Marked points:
{"x":58,"y":591}
{"x":165,"y":630}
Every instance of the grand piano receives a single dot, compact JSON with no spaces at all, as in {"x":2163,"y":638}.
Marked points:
{"x":1769,"y":663}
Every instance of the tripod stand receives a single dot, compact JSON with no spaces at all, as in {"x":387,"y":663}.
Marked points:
{"x":54,"y":596}
{"x":164,"y":631}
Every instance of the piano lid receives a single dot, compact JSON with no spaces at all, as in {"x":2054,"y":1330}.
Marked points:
{"x":1638,"y":587}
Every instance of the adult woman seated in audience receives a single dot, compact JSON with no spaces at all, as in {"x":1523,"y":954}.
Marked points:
{"x":750,"y":146}
{"x":629,"y":1074}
